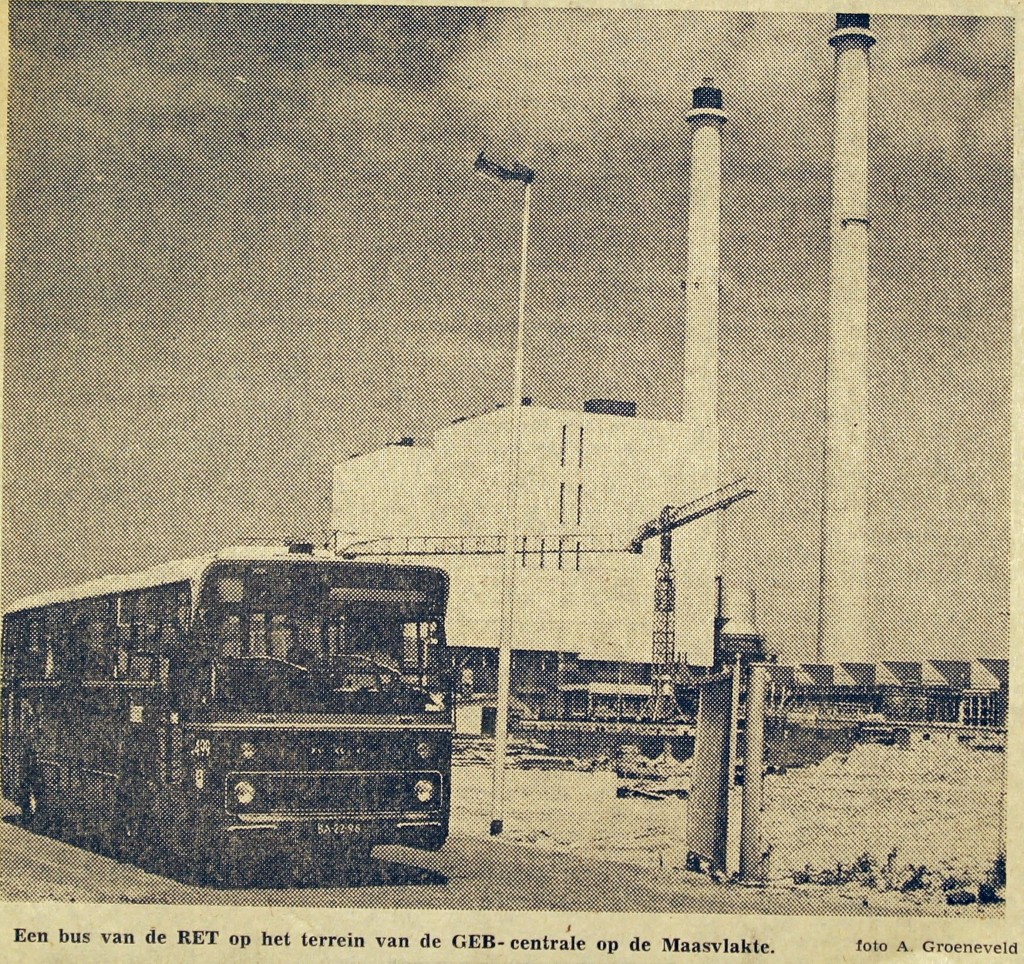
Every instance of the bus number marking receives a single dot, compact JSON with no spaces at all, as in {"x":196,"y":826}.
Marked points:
{"x":202,"y":748}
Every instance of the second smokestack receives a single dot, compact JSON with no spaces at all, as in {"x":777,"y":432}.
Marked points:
{"x":843,"y":625}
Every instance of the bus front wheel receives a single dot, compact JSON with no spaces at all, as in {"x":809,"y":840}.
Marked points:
{"x":339,"y":866}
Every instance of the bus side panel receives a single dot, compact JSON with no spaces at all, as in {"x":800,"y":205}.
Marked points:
{"x":11,"y":746}
{"x":10,"y":738}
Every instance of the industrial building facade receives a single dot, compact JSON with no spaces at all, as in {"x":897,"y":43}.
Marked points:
{"x":589,"y":479}
{"x":584,"y":613}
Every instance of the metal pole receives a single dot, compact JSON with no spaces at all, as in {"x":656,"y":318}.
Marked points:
{"x":751,"y":851}
{"x":506,"y":618}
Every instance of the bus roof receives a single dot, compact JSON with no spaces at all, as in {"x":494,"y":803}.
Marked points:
{"x":170,"y":572}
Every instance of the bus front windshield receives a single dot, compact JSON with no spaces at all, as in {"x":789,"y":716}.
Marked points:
{"x":287,"y":637}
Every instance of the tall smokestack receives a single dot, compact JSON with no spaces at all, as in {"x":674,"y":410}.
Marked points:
{"x":843,"y":608}
{"x":703,"y":281}
{"x":703,"y":263}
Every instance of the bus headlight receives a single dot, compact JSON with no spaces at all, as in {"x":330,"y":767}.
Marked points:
{"x":424,"y":791}
{"x":424,"y":750}
{"x":248,"y":750}
{"x":244,"y":792}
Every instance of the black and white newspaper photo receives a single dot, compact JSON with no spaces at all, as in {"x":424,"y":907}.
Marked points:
{"x":504,"y":484}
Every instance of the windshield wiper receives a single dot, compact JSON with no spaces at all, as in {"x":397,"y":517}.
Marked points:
{"x":377,"y":662}
{"x":272,"y":659}
{"x":382,"y":671}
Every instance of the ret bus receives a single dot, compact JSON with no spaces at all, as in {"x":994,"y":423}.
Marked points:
{"x":224,"y":711}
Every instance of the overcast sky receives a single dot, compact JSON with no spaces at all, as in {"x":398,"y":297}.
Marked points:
{"x":246,"y":241}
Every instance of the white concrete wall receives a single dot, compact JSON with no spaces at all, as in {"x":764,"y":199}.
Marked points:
{"x":387,"y":492}
{"x":631,"y":468}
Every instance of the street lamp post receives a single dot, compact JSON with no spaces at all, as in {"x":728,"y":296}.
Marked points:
{"x":506,"y":613}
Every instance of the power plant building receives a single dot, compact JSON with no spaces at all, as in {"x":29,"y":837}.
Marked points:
{"x":589,"y":480}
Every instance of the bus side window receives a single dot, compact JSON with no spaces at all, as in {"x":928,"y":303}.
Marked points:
{"x":98,"y":661}
{"x":147,"y":621}
{"x":183,"y":611}
{"x":125,"y":610}
{"x":411,"y":656}
{"x":419,"y":653}
{"x":127,"y":604}
{"x":141,"y":666}
{"x":306,"y":643}
{"x":162,"y":616}
{"x":15,"y":643}
{"x":334,"y":636}
{"x":431,"y":647}
{"x":169,"y":637}
{"x":32,"y":658}
{"x":281,"y":638}
{"x":10,"y":643}
{"x":57,"y":638}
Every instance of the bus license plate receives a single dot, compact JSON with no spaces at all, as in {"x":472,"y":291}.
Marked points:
{"x":338,"y":829}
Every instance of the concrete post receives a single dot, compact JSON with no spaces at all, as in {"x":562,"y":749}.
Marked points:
{"x":707,"y":812}
{"x":507,"y":619}
{"x":737,"y":682}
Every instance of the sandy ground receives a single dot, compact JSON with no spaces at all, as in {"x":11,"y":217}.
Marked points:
{"x":575,"y":813}
{"x":937,"y":804}
{"x":940,"y":804}
{"x":476,"y":872}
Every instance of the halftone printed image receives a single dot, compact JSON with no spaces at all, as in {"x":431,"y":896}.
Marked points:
{"x":484,"y":459}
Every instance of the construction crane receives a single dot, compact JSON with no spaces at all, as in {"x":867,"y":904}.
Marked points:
{"x":674,"y":516}
{"x":671,"y":517}
{"x":664,"y":664}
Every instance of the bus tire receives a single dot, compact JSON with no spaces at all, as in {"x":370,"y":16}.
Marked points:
{"x":342,"y":866}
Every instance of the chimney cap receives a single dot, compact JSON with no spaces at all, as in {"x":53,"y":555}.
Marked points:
{"x":852,"y":29}
{"x":861,"y":21}
{"x":707,"y":96}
